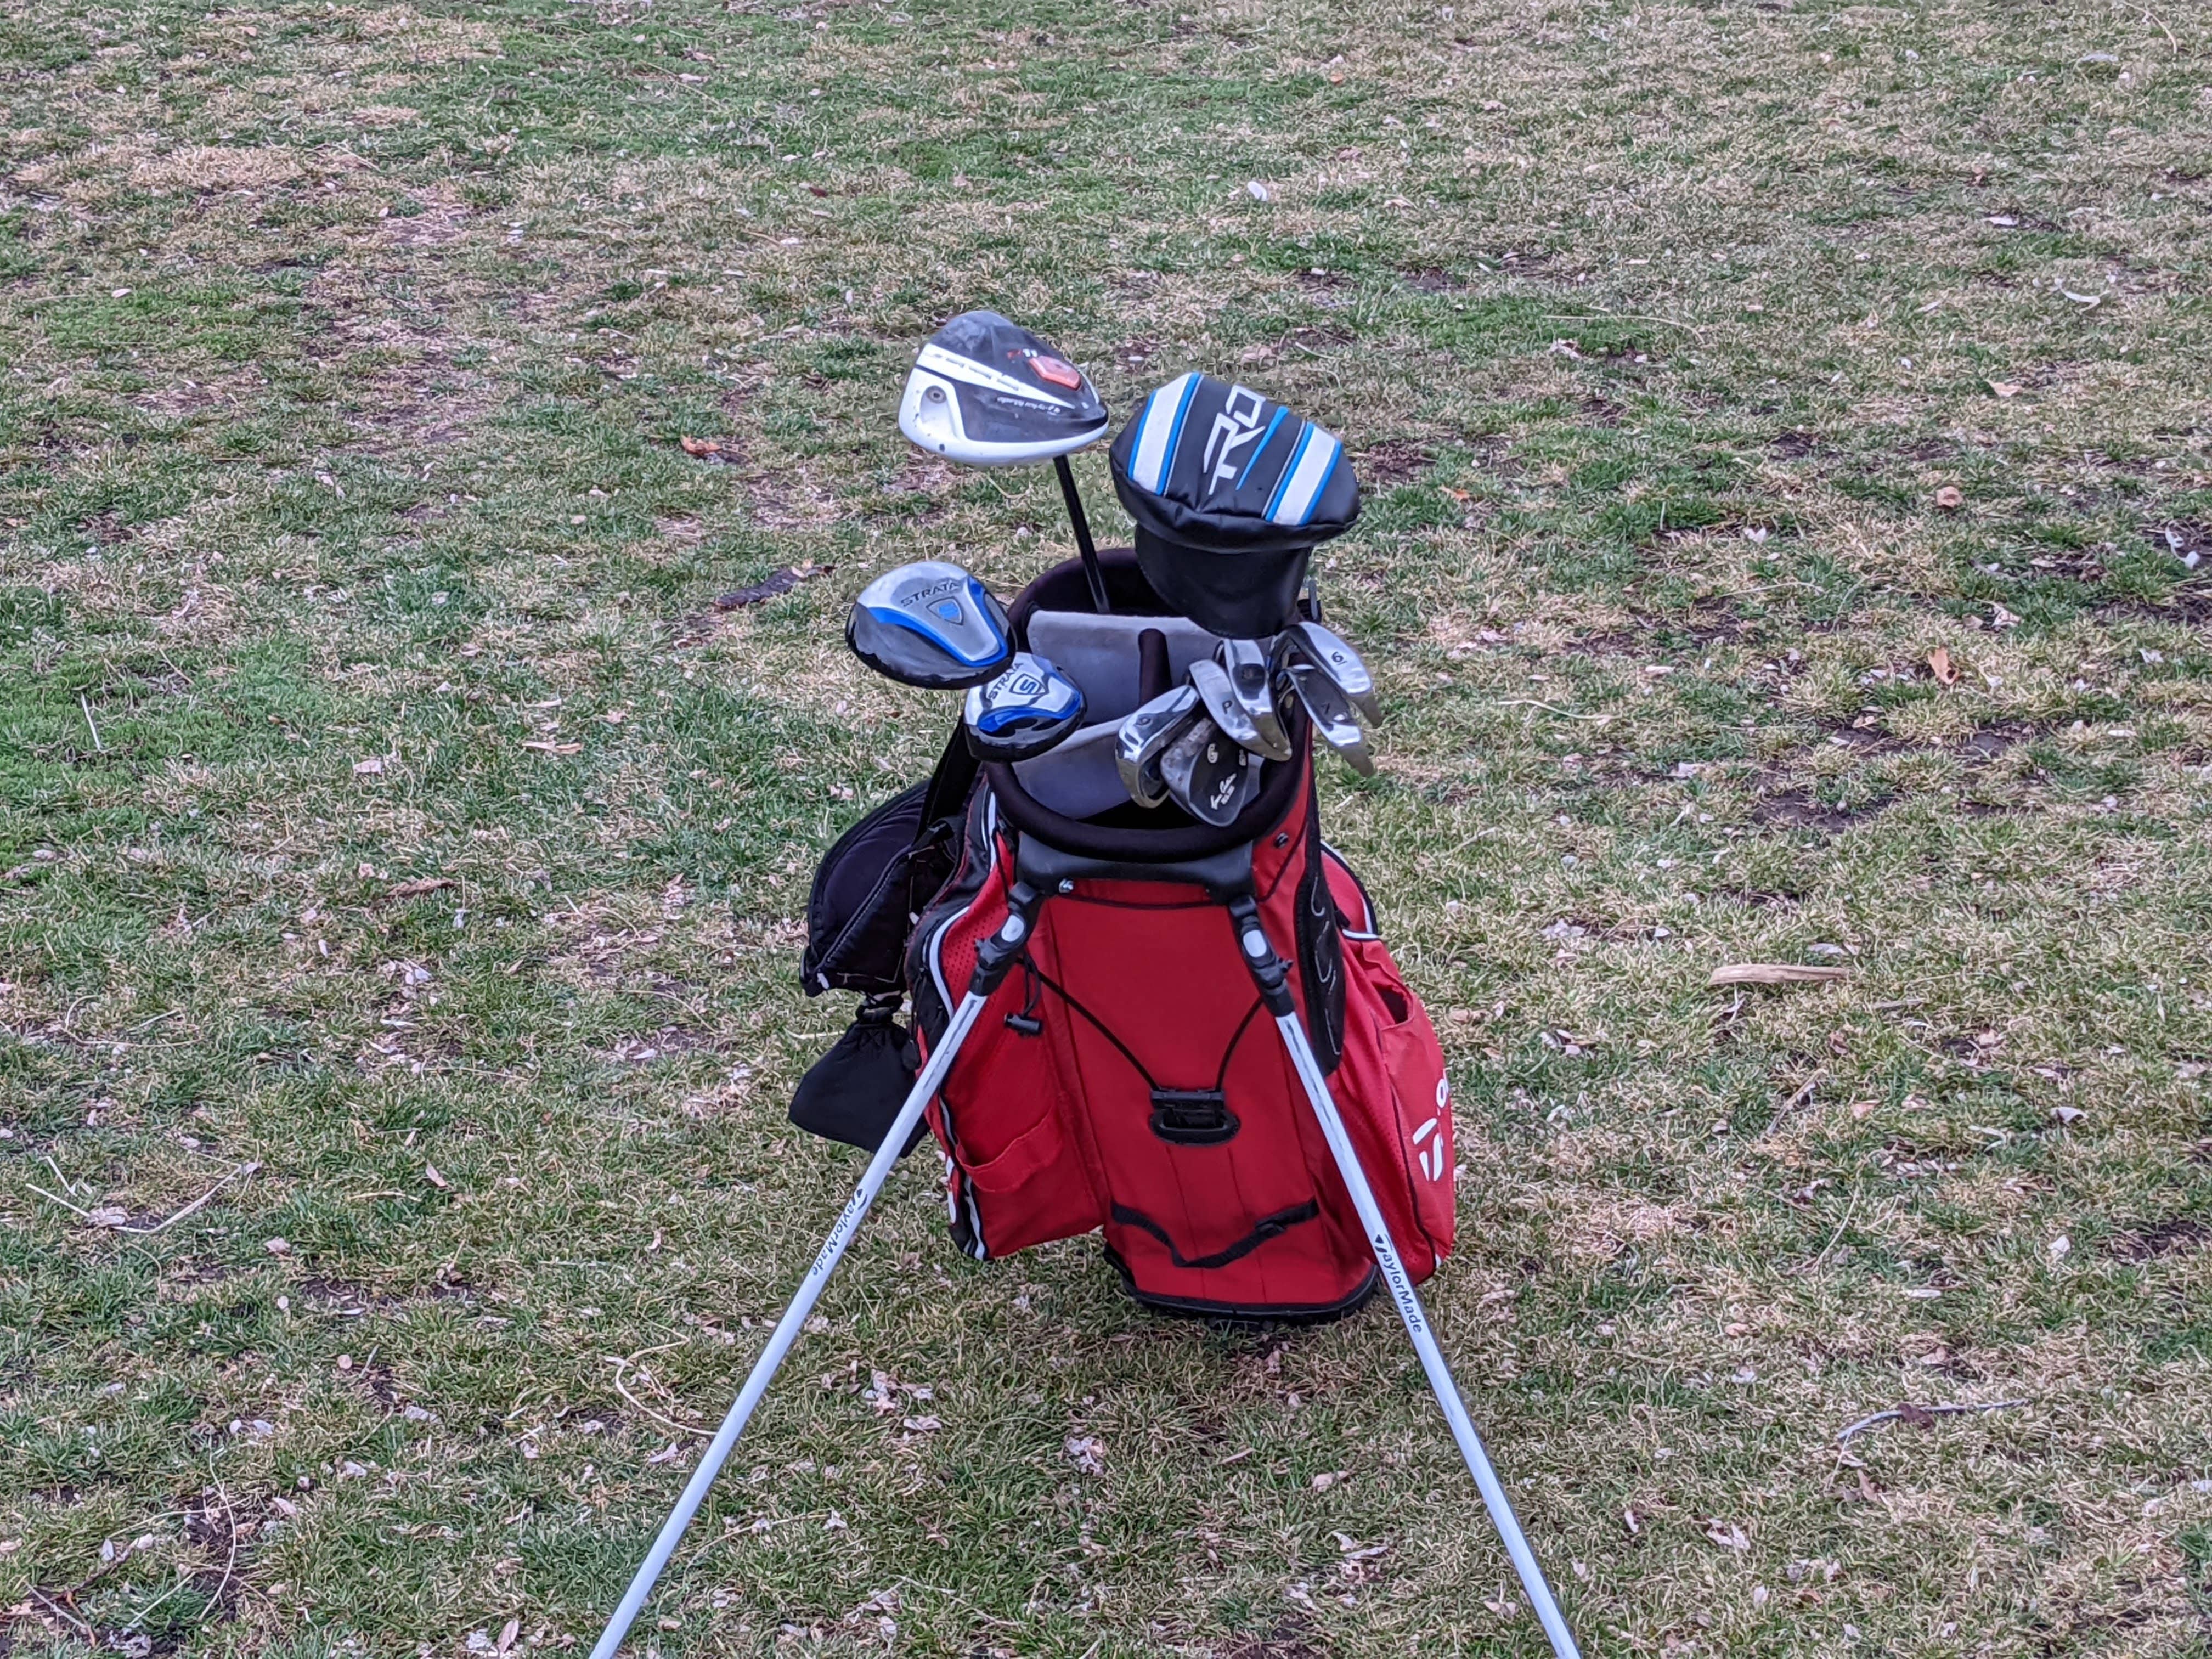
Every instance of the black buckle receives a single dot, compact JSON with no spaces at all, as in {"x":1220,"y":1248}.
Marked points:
{"x":1192,"y":1117}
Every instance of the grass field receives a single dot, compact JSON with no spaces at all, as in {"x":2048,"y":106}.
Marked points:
{"x":405,"y":856}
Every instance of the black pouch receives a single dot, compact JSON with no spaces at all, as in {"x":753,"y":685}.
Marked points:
{"x":879,"y":873}
{"x":854,"y":1092}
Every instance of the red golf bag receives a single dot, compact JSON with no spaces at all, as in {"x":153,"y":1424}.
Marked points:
{"x":1125,"y":1075}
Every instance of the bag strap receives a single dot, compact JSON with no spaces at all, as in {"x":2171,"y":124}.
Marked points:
{"x":1273,"y":1226}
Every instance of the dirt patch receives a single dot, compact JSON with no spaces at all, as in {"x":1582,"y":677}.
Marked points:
{"x":1133,"y":355}
{"x":1394,"y":462}
{"x":1797,"y":809}
{"x":442,"y":218}
{"x":1601,"y":411}
{"x":1429,"y":279}
{"x":1795,"y":444}
{"x":1991,"y":741}
{"x":2174,"y":1236}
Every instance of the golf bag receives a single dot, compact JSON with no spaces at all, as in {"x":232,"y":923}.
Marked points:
{"x":1123,"y":1076}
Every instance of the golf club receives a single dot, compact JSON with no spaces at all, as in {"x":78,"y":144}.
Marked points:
{"x":1244,"y":662}
{"x":1334,"y":722}
{"x":1211,"y":681}
{"x":1027,"y":710}
{"x":1146,"y":735}
{"x":930,"y":624}
{"x":1208,"y":776}
{"x":1340,"y":662}
{"x":986,"y":391}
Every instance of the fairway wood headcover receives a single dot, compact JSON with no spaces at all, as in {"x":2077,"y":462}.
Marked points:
{"x":1231,"y":492}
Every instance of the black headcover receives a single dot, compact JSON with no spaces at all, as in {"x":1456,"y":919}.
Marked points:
{"x":1231,"y":491}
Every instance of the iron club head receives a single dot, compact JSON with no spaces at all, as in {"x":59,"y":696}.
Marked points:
{"x":1146,"y":736}
{"x":1343,"y":665}
{"x":1209,"y":776}
{"x":1244,"y":664}
{"x":1331,"y":712}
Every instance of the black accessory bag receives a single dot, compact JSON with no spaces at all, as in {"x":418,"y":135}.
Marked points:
{"x":1231,"y":492}
{"x":854,"y":1092}
{"x":880,"y":872}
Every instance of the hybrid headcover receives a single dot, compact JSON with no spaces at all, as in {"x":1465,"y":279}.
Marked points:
{"x":1023,"y":712}
{"x":1231,"y":492}
{"x":929,"y":624}
{"x":986,"y":391}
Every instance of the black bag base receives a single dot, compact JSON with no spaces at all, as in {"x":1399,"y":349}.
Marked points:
{"x":1236,"y":1319}
{"x":854,"y":1092}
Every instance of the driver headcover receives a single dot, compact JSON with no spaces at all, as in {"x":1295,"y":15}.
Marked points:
{"x":1231,"y":491}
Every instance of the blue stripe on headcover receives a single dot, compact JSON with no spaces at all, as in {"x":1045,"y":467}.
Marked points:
{"x":1266,"y":438}
{"x":1290,"y":468}
{"x":1307,"y":476}
{"x":1149,"y":457}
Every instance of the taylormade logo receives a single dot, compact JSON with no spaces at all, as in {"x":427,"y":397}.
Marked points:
{"x":1236,"y":425}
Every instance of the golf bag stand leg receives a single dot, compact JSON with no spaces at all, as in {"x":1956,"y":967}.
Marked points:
{"x":994,"y":959}
{"x":1270,"y":974}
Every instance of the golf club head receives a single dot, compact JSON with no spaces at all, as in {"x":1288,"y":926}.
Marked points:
{"x":1031,"y":708}
{"x":1208,"y":776}
{"x":1218,"y":698}
{"x":985,"y":392}
{"x":930,"y":624}
{"x":1245,"y":663}
{"x":1146,"y":736}
{"x":1341,"y":663}
{"x":1334,"y":719}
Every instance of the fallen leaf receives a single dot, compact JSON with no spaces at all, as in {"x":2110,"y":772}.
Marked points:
{"x":367,"y":769}
{"x":706,"y":448}
{"x":417,"y":889}
{"x":1323,"y":1482}
{"x":2001,"y":617}
{"x":508,"y":1632}
{"x":106,"y":1216}
{"x":278,"y":1246}
{"x":1863,"y":1109}
{"x":781,"y":582}
{"x":2060,"y":1247}
{"x":1255,"y":190}
{"x":667,"y":1454}
{"x":556,"y":748}
{"x":2004,"y":388}
{"x":1087,"y":1454}
{"x":1628,"y":1520}
{"x":1939,"y":665}
{"x":430,"y":1174}
{"x":1727,"y":1534}
{"x":1950,"y":498}
{"x":1774,"y":973}
{"x":1918,"y":1415}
